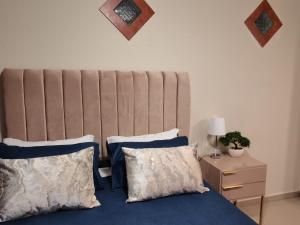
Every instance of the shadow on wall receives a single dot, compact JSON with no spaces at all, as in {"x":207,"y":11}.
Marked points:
{"x":297,"y":99}
{"x":294,"y":127}
{"x":1,"y":109}
{"x":205,"y":142}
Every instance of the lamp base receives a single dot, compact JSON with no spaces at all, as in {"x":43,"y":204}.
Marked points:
{"x":215,"y":155}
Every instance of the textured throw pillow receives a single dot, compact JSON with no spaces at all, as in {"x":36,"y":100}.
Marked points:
{"x":20,"y":143}
{"x":41,"y":185}
{"x":145,"y":138}
{"x":15,"y":152}
{"x":118,"y":167}
{"x":153,"y":173}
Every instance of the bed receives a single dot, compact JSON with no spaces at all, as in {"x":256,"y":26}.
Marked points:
{"x":58,"y":104}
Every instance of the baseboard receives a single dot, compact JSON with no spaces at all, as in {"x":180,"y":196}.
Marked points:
{"x":283,"y":196}
{"x":269,"y":198}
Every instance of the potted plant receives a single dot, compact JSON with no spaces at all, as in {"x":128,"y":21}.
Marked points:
{"x":235,"y":142}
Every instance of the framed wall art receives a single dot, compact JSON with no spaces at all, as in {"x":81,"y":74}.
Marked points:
{"x":263,"y":23}
{"x":128,"y":16}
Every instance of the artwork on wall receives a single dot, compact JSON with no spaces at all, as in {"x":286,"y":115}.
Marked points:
{"x":127,"y":15}
{"x":263,"y":23}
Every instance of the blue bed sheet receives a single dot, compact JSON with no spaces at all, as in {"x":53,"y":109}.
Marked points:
{"x":209,"y":208}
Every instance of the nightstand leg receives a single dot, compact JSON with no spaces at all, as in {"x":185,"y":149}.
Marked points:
{"x":261,"y":210}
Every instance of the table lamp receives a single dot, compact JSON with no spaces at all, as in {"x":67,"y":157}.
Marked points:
{"x":216,"y":127}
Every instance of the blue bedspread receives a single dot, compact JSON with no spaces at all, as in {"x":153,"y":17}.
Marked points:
{"x":188,"y":209}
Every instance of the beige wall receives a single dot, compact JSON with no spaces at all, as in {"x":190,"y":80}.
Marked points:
{"x":256,"y":89}
{"x":297,"y":112}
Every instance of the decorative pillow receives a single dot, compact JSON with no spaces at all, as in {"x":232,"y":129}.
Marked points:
{"x":20,"y":143}
{"x":15,"y":152}
{"x":145,"y":138}
{"x":153,"y":173}
{"x":41,"y":185}
{"x":118,"y":167}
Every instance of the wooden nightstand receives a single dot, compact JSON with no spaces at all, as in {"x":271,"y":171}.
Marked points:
{"x":236,"y":178}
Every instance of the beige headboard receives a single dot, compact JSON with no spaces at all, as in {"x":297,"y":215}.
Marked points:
{"x":59,"y":104}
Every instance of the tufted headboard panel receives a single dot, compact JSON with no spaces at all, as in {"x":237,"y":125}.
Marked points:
{"x":59,"y":104}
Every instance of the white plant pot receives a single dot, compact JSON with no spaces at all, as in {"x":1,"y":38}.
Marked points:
{"x":236,"y":152}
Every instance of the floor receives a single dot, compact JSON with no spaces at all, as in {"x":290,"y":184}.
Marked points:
{"x":277,"y":212}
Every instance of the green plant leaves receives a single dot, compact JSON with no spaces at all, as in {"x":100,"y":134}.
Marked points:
{"x":236,"y":139}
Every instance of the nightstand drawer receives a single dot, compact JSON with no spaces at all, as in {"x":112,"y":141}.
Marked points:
{"x":244,"y":176}
{"x":239,"y":191}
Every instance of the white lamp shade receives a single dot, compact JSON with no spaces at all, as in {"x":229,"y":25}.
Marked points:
{"x":216,"y":126}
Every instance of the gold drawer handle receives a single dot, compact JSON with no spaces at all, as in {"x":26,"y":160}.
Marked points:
{"x":232,"y":187}
{"x":230,"y":172}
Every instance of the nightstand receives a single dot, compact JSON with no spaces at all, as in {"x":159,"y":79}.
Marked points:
{"x":236,"y":178}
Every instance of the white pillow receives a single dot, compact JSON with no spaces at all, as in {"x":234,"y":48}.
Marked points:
{"x":20,"y":143}
{"x":105,"y":172}
{"x":145,"y":138}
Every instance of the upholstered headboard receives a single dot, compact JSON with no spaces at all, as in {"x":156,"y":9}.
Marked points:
{"x":59,"y":104}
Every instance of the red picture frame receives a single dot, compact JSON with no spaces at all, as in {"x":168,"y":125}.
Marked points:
{"x":263,"y":38}
{"x":128,"y":30}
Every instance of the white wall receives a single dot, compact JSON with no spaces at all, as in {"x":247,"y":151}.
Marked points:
{"x":254,"y":88}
